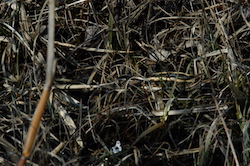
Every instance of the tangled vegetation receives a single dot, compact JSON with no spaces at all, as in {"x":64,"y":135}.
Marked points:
{"x":138,"y":82}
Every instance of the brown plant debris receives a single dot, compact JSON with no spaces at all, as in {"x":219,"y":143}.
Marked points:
{"x":144,"y":82}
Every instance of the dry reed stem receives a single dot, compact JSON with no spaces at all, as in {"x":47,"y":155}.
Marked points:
{"x":30,"y":138}
{"x":50,"y":71}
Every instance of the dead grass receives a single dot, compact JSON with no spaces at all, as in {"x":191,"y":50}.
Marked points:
{"x":169,"y":80}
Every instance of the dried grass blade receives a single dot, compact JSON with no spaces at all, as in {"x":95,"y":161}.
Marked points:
{"x":19,"y":37}
{"x":149,"y":130}
{"x":95,"y":49}
{"x":65,"y":116}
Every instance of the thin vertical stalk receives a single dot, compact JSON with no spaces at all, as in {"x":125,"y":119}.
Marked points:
{"x":50,"y":70}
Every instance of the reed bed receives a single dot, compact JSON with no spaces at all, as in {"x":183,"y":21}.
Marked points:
{"x":137,"y":82}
